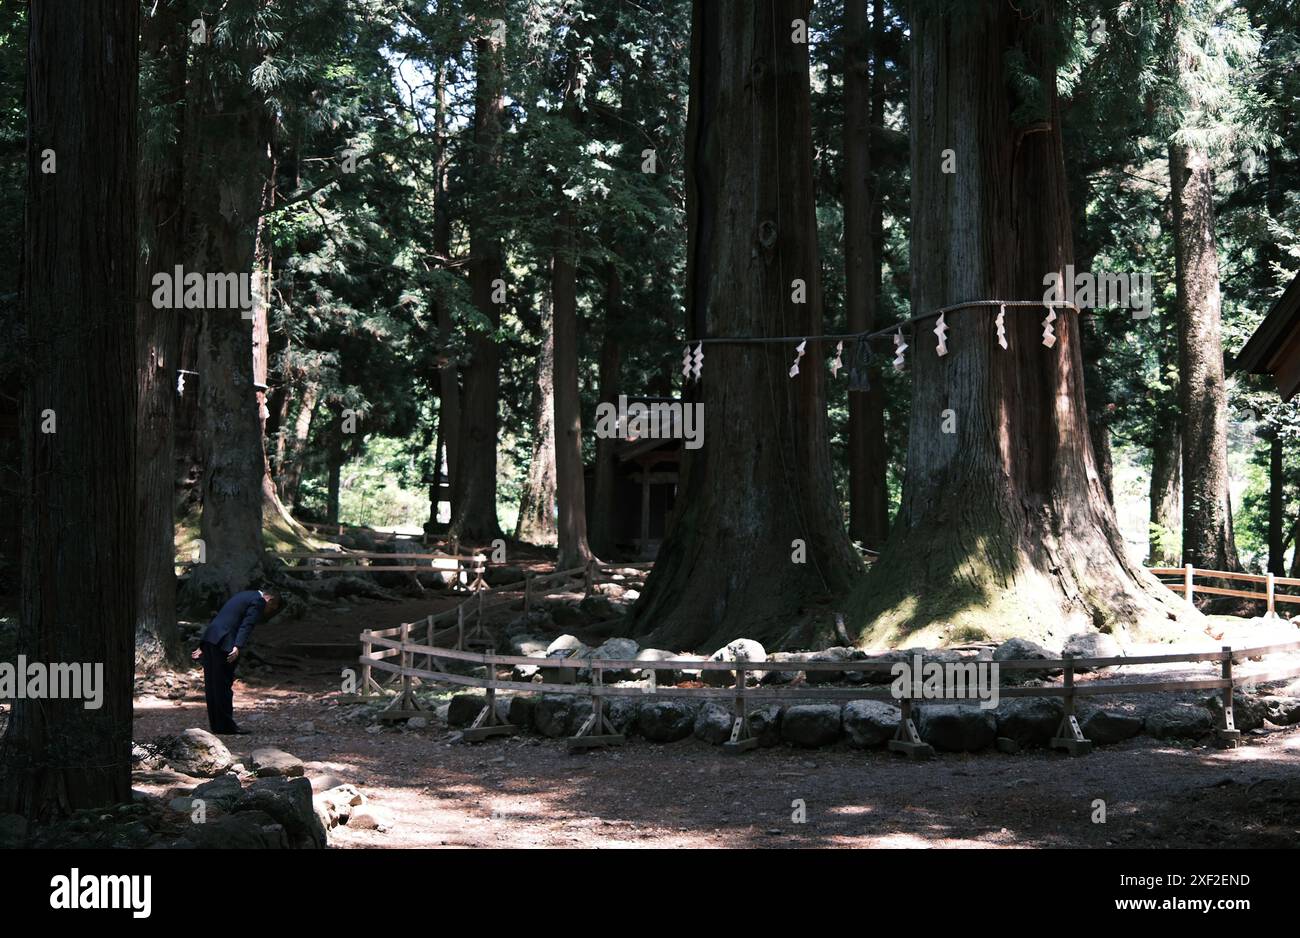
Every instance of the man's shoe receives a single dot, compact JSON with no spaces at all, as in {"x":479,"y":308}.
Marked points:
{"x":235,"y":731}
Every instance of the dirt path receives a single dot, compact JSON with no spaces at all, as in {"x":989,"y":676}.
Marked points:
{"x":527,"y":792}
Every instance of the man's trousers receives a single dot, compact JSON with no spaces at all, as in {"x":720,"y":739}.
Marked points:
{"x":218,"y":688}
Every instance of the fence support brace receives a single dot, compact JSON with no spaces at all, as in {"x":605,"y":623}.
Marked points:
{"x":741,"y":739}
{"x":1228,"y":734}
{"x":1068,"y":735}
{"x":907,"y":740}
{"x":596,"y":730}
{"x":488,"y":722}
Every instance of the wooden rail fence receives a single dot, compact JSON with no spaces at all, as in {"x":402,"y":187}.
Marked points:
{"x":380,"y":647}
{"x":1188,"y":588}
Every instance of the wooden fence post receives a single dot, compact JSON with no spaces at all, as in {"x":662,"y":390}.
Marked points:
{"x":1188,"y":572}
{"x":1228,"y":734}
{"x":366,"y":679}
{"x":907,"y":740}
{"x":741,"y":740}
{"x":1272,"y":611}
{"x":1068,"y":735}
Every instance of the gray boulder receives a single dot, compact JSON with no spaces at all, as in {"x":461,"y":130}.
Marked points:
{"x":811,"y":725}
{"x":273,"y":763}
{"x":465,"y":708}
{"x":665,"y":721}
{"x":870,"y":723}
{"x":567,"y":646}
{"x":814,"y":676}
{"x":552,"y":714}
{"x":520,"y":713}
{"x":1281,"y":711}
{"x":248,"y":830}
{"x":784,"y":677}
{"x":198,"y":752}
{"x":1017,"y":649}
{"x":741,"y":649}
{"x":222,"y":792}
{"x":289,"y":802}
{"x":1091,"y":645}
{"x":1248,"y":713}
{"x":1104,"y":727}
{"x":621,"y":713}
{"x":1029,"y":721}
{"x":713,"y":724}
{"x":617,"y":648}
{"x":1179,"y":721}
{"x":665,"y":676}
{"x":883,"y":675}
{"x":957,"y":727}
{"x":765,"y":724}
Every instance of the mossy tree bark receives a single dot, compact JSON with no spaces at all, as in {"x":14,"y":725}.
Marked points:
{"x":536,"y":523}
{"x":760,"y":484}
{"x":1004,"y":527}
{"x":229,"y":166}
{"x":161,"y":218}
{"x":868,"y":457}
{"x":1203,"y":401}
{"x":79,"y":586}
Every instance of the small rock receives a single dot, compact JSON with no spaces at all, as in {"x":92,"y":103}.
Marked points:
{"x":198,"y":752}
{"x":275,"y":763}
{"x":665,"y":721}
{"x":371,"y":818}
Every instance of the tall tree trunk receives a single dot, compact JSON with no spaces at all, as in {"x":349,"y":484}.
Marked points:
{"x":1165,"y":524}
{"x":475,"y":474}
{"x":570,"y":492}
{"x":536,"y":524}
{"x":757,"y":497}
{"x":1004,"y":528}
{"x":80,"y":592}
{"x":334,"y":471}
{"x":1276,"y":481}
{"x":229,"y":168}
{"x":604,"y":508}
{"x":868,"y":486}
{"x":161,"y":219}
{"x":1207,"y":508}
{"x":295,"y":451}
{"x":449,"y":414}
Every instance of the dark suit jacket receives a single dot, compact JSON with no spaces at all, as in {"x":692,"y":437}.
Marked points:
{"x":233,"y":625}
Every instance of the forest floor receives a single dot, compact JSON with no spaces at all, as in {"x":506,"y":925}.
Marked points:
{"x":530,"y":792}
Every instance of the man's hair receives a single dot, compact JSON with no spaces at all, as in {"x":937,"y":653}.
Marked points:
{"x":273,"y":602}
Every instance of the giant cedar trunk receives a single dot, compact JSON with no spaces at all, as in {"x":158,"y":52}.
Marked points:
{"x":1276,"y":480}
{"x":868,"y":488}
{"x":604,"y":508}
{"x":761,"y":481}
{"x":571,"y":533}
{"x":448,"y":374}
{"x":1207,"y":508}
{"x":230,"y":166}
{"x":161,"y":218}
{"x":536,"y":523}
{"x":1004,"y":528}
{"x":474,"y":475}
{"x":79,"y":587}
